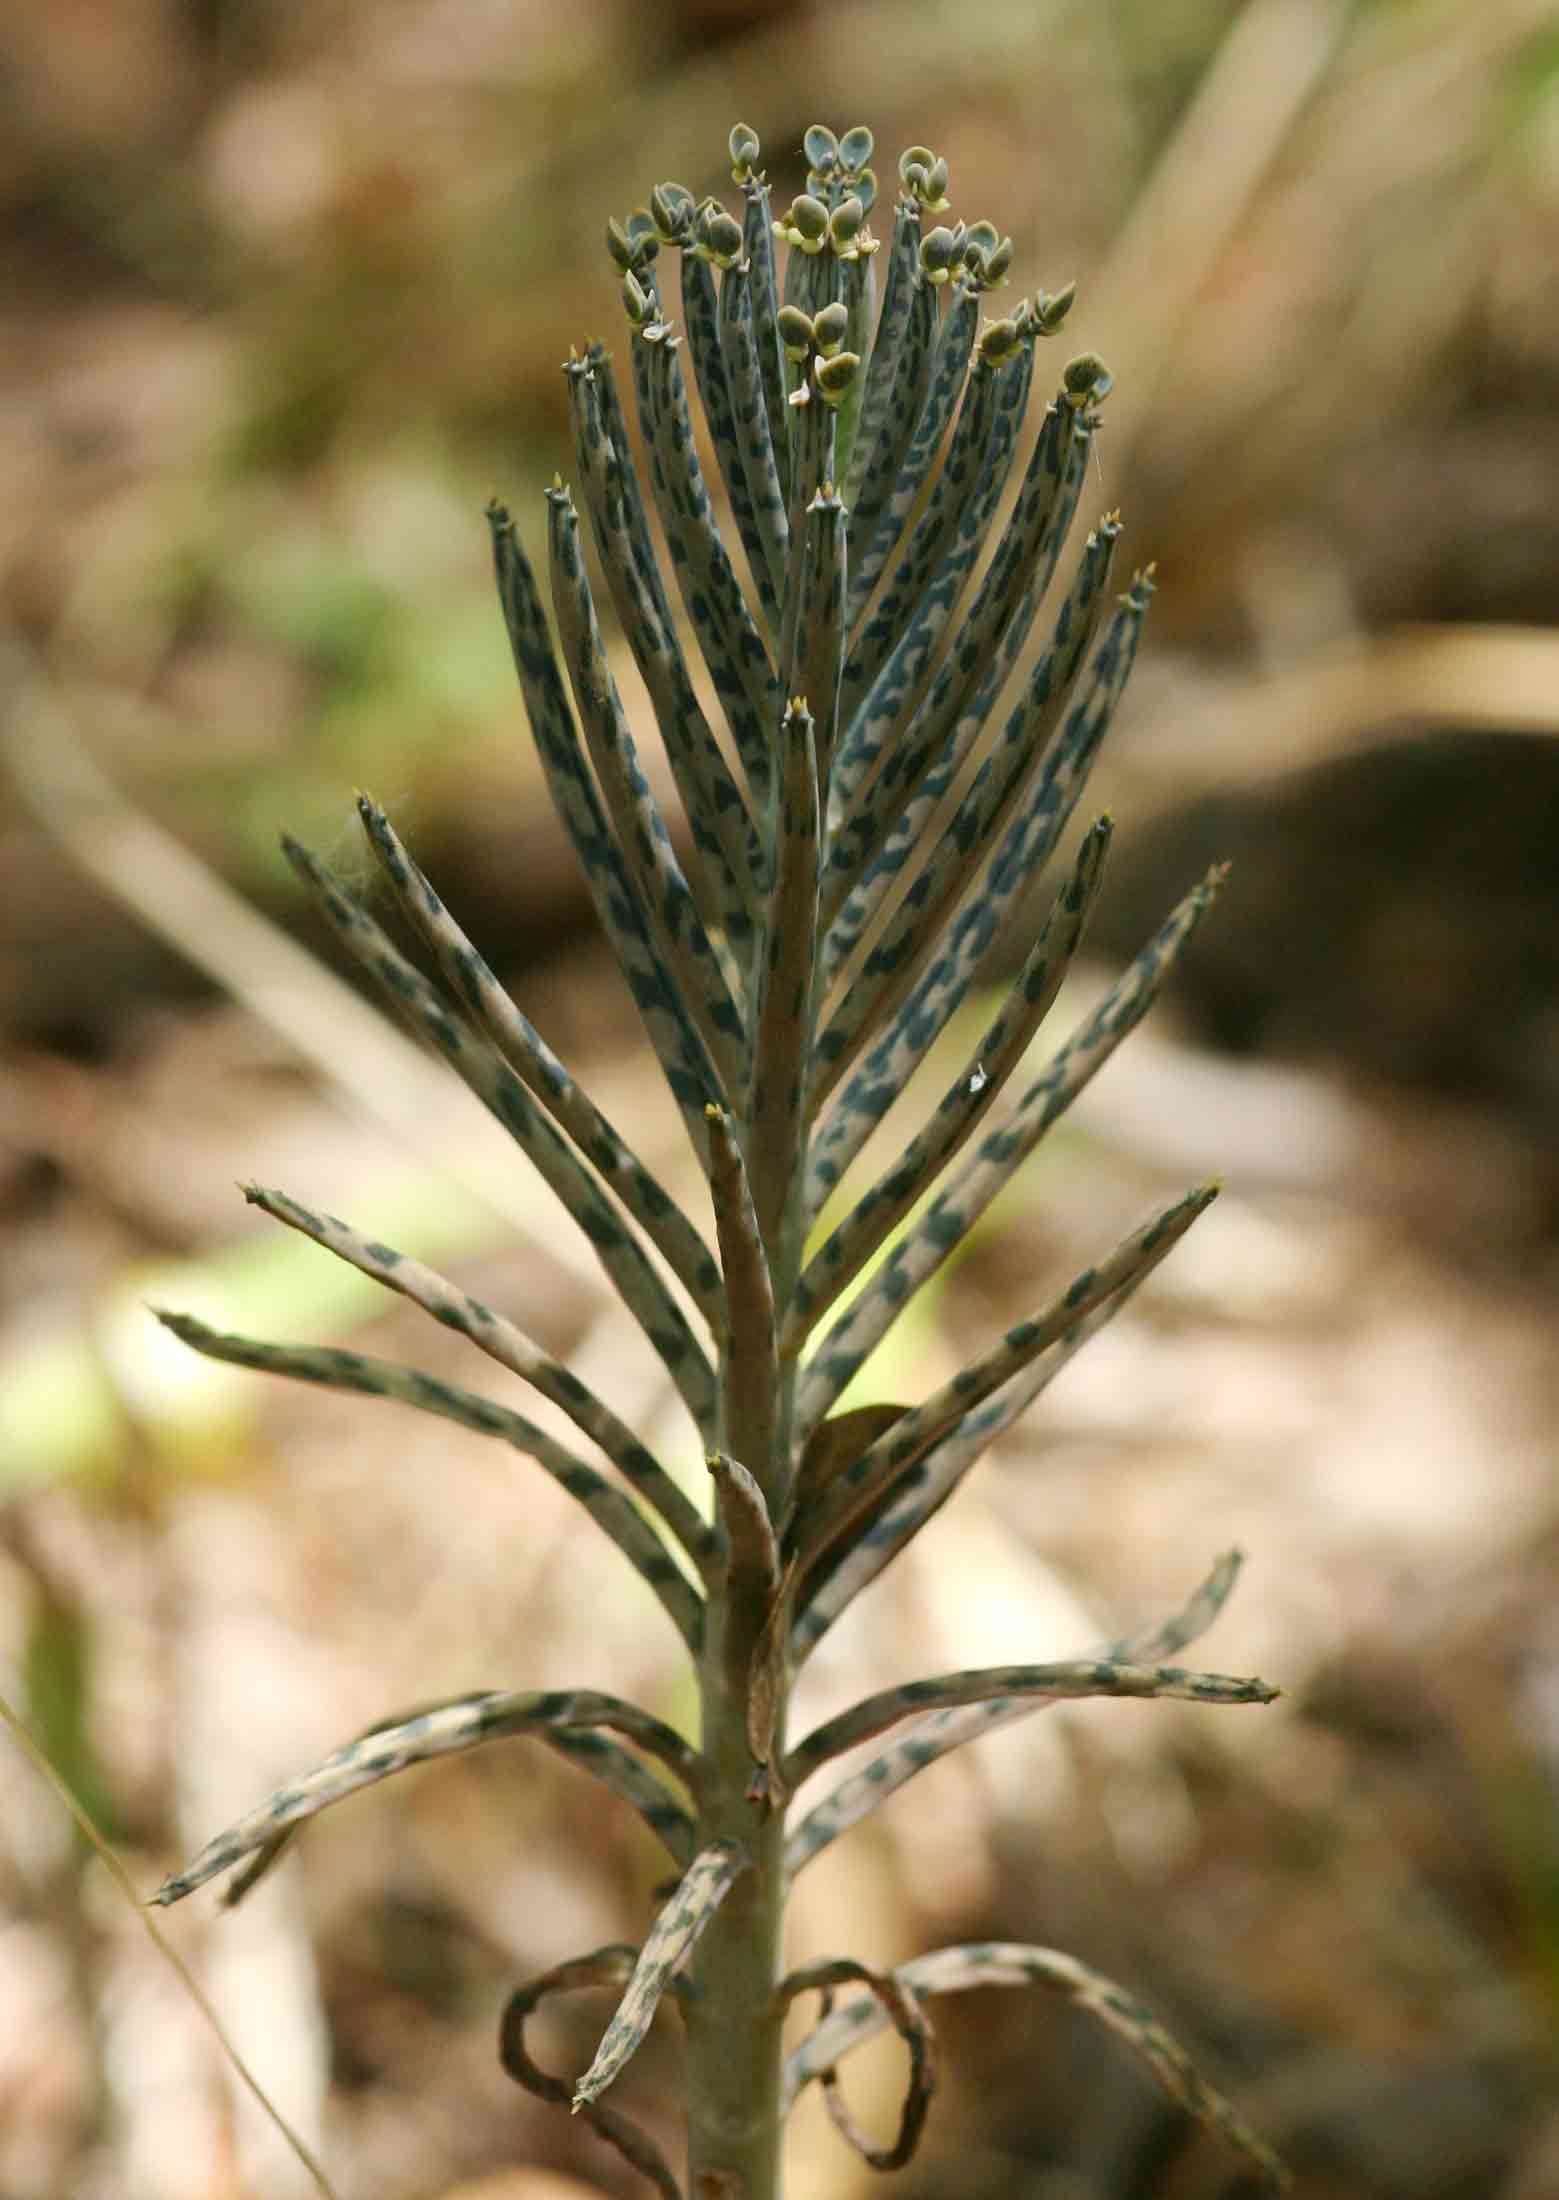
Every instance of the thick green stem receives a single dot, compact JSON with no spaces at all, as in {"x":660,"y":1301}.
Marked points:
{"x":733,"y":2023}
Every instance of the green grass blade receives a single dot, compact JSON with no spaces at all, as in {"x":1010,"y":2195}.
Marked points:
{"x":460,"y":1723}
{"x":334,"y":1369}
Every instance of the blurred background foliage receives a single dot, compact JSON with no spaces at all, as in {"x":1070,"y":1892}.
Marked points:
{"x":288,"y":291}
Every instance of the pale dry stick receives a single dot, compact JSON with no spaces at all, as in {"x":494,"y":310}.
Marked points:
{"x":329,"y":1025}
{"x":167,"y":1951}
{"x":1273,"y":59}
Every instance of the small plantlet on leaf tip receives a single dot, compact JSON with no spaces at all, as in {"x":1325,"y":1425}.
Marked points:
{"x":860,"y":824}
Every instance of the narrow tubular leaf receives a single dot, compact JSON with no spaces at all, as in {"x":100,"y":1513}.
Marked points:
{"x":971,"y":1187}
{"x":614,"y":425}
{"x":815,"y":663}
{"x":641,"y":830}
{"x":749,"y":1355}
{"x":938,"y":1732}
{"x":812,"y":468}
{"x":858,"y":296}
{"x":489,"y":1076}
{"x":925,"y":1486}
{"x":949,"y":365}
{"x":512,"y":1349}
{"x":675,"y":1933}
{"x":701,"y":317}
{"x":1009,"y":823}
{"x":831,"y":1447}
{"x":754,"y":447}
{"x":758,"y":252}
{"x":1012,"y":1963}
{"x":783,"y":1020}
{"x":752,"y":1567}
{"x":898,"y":290}
{"x":607,"y":1761}
{"x":892,"y":651}
{"x":903,"y":2012}
{"x":725,"y":845}
{"x":1072,"y":1678}
{"x":879,"y":1466}
{"x":334,"y":1369}
{"x":1009,"y":816}
{"x":896,"y":775}
{"x":681,"y":1053}
{"x":468,"y":976}
{"x":901,"y":409}
{"x":459,"y":1724}
{"x":876,"y":778}
{"x":604,"y":1967}
{"x":934,"y":573}
{"x":862,"y":1233}
{"x":732,"y":646}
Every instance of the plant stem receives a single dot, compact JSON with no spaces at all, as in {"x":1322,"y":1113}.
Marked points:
{"x":733,"y":2021}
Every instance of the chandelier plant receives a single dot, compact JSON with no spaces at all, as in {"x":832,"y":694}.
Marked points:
{"x":861,"y":823}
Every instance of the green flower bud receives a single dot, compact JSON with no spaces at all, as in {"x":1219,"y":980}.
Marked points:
{"x":999,"y":341}
{"x":719,"y":236}
{"x":1087,"y":380}
{"x":805,"y":226}
{"x":1049,"y":313}
{"x":844,"y":225}
{"x":671,"y":210}
{"x":941,"y":252}
{"x":915,"y":165}
{"x":795,"y":332}
{"x":993,"y":270}
{"x":744,"y":152}
{"x":829,"y":329}
{"x":834,"y":376}
{"x":619,"y":244}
